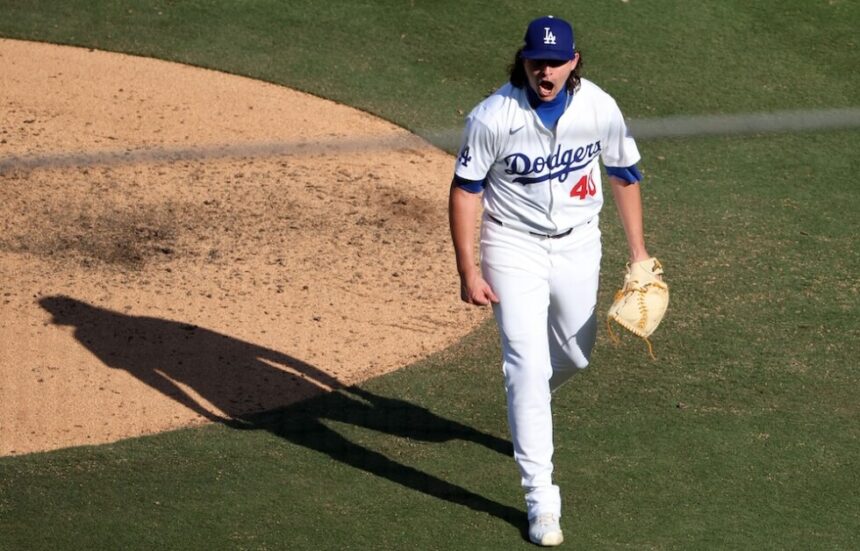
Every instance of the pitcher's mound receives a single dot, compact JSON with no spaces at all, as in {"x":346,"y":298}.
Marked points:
{"x":181,"y":245}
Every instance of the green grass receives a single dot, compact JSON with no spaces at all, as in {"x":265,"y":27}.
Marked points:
{"x":422,"y":64}
{"x":743,"y":435}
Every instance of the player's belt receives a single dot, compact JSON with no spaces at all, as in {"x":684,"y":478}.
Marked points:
{"x":554,"y":236}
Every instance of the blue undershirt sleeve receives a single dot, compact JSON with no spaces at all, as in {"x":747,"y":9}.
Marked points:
{"x":472,"y":186}
{"x":629,"y":174}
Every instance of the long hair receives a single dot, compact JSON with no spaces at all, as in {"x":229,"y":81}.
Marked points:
{"x":518,"y":78}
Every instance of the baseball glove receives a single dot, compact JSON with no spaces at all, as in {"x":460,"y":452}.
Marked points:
{"x":639,"y":306}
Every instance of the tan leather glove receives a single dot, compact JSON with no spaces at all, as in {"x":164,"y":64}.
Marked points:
{"x":640,"y":305}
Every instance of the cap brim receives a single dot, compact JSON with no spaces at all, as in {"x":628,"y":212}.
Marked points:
{"x":545,"y":54}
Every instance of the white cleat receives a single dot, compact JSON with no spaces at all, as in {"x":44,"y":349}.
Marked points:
{"x":544,"y":530}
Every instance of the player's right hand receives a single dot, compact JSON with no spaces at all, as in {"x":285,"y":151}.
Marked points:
{"x":477,"y":291}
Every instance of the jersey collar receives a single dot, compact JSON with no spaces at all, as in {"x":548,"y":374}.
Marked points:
{"x":549,"y":112}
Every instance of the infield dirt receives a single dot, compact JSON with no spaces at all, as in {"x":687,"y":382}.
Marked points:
{"x":182,"y":246}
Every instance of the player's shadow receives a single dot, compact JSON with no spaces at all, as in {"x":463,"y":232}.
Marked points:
{"x":249,"y":385}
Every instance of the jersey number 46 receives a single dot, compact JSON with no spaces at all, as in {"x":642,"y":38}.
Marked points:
{"x":584,"y":187}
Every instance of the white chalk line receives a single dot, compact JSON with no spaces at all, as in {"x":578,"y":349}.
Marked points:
{"x":717,"y":125}
{"x":642,"y":129}
{"x":748,"y":123}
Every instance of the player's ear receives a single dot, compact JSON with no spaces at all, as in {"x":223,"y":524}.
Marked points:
{"x":575,"y":61}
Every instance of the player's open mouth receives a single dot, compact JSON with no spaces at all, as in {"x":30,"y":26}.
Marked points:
{"x":545,"y":87}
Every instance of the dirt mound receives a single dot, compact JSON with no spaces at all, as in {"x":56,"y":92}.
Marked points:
{"x":180,"y":245}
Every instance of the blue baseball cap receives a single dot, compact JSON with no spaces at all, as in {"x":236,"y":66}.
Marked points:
{"x":548,"y":38}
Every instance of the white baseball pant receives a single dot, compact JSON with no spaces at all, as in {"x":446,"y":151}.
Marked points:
{"x":547,"y":291}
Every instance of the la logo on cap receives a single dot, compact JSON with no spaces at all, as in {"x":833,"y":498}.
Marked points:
{"x":548,"y":38}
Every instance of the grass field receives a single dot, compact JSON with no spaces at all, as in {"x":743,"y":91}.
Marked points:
{"x":744,"y":435}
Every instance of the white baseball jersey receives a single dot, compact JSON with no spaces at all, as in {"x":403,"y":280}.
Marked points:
{"x":538,"y":180}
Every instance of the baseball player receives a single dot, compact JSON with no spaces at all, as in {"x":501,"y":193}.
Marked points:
{"x":530,"y":154}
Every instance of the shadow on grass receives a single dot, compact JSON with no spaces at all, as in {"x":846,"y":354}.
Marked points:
{"x":246,"y":386}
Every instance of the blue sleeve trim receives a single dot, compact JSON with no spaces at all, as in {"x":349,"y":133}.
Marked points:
{"x":472,"y":186}
{"x":629,"y":174}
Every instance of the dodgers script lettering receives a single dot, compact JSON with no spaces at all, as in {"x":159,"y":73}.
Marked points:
{"x":559,"y":164}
